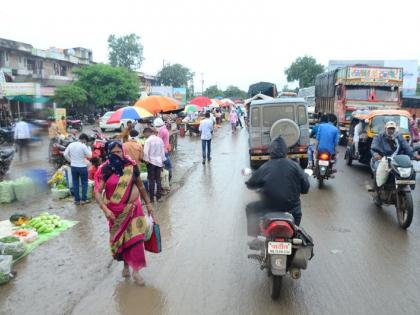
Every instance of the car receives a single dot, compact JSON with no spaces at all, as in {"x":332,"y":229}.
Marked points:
{"x":271,"y":118}
{"x":116,"y":126}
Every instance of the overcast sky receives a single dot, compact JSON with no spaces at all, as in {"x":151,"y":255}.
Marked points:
{"x":230,"y":42}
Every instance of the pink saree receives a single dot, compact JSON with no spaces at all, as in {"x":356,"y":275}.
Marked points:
{"x":127,"y":231}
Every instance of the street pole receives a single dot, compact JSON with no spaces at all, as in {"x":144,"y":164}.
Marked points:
{"x":202,"y":84}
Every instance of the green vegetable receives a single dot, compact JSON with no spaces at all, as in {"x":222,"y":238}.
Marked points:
{"x":9,"y":239}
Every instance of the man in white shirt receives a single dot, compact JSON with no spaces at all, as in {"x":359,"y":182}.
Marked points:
{"x":77,"y":153}
{"x":22,"y":137}
{"x":154,"y":156}
{"x":206,"y":129}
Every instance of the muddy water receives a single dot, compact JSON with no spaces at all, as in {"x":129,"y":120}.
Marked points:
{"x":364,"y":263}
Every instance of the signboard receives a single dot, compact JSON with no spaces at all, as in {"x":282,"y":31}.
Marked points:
{"x":59,"y":112}
{"x":14,"y":89}
{"x":180,"y":94}
{"x":161,"y":90}
{"x":374,"y":74}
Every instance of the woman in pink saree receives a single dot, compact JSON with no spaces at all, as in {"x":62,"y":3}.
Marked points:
{"x":119,"y":176}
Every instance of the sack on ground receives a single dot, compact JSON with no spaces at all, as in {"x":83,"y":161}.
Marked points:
{"x":382,"y":172}
{"x":59,"y":193}
{"x":16,"y":249}
{"x":6,"y":262}
{"x":7,"y":195}
{"x":165,"y":179}
{"x":24,"y":188}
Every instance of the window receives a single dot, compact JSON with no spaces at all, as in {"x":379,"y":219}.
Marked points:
{"x":255,"y":117}
{"x":386,"y":94}
{"x":273,"y":113}
{"x":357,"y":93}
{"x":378,"y":123}
{"x":301,"y":113}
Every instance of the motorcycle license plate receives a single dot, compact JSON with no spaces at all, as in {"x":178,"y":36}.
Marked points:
{"x":279,"y":248}
{"x":324,"y":163}
{"x":405,"y":182}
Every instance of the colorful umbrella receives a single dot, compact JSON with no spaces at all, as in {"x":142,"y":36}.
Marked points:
{"x":129,"y":112}
{"x":157,"y":104}
{"x":201,"y":101}
{"x":191,"y":109}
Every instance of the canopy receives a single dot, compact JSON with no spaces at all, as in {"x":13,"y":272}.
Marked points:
{"x":129,"y":112}
{"x":201,"y":101}
{"x":157,"y":104}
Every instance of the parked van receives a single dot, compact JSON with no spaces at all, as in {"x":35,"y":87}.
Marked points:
{"x":269,"y":119}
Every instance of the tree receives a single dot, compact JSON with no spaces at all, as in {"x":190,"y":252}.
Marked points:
{"x":175,"y":75}
{"x":106,"y":85}
{"x":213,"y":91}
{"x":70,"y":96}
{"x":304,"y":69}
{"x":125,"y":51}
{"x":234,"y":92}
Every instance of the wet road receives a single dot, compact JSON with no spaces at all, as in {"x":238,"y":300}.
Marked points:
{"x":364,"y":263}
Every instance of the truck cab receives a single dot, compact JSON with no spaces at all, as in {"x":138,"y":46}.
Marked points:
{"x":269,"y":119}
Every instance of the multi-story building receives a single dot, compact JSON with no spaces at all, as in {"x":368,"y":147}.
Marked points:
{"x":34,"y":73}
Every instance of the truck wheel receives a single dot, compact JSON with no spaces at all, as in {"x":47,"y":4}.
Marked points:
{"x":303,"y":163}
{"x":404,"y":209}
{"x":276,"y":287}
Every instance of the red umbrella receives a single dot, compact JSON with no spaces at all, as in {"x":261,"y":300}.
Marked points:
{"x":201,"y":101}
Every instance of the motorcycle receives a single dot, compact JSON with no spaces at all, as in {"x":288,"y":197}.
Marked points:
{"x":6,"y":158}
{"x":284,"y":248}
{"x":324,"y":168}
{"x":58,"y":147}
{"x":6,"y":135}
{"x":99,"y":141}
{"x":74,"y":124}
{"x":400,"y":181}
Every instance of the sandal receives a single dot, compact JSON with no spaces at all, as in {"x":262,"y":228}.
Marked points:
{"x":126,"y":272}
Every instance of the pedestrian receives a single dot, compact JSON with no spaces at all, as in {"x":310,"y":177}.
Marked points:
{"x":414,"y":130}
{"x":120,"y":178}
{"x":95,"y":163}
{"x":77,"y":153}
{"x":62,"y":126}
{"x":233,"y":117}
{"x":163,"y":133}
{"x":218,"y":117}
{"x":239,"y":113}
{"x":206,"y":128}
{"x":126,"y":132}
{"x":154,"y":156}
{"x":22,"y":137}
{"x":133,"y":148}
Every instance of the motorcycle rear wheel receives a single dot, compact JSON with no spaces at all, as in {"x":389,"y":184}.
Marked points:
{"x":276,"y":287}
{"x":320,"y":182}
{"x":404,"y":208}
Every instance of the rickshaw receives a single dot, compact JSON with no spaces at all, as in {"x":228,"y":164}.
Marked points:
{"x":373,"y":124}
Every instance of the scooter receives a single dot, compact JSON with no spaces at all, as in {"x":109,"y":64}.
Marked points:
{"x":284,"y":248}
{"x":75,"y":124}
{"x":397,"y":187}
{"x":6,"y":158}
{"x":324,"y":168}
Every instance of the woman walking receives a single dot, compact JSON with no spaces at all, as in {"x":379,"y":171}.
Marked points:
{"x":119,"y":176}
{"x":414,"y":130}
{"x":233,"y":117}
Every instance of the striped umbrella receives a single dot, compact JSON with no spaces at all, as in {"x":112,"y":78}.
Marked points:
{"x":129,"y":112}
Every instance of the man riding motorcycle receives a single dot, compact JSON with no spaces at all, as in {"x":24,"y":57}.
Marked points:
{"x":281,"y":182}
{"x":385,"y":144}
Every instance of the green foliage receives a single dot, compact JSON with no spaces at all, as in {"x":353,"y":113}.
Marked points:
{"x":125,"y":51}
{"x":175,"y":75}
{"x":106,"y":85}
{"x":234,"y":92}
{"x":304,"y":69}
{"x":70,"y":95}
{"x":213,"y":91}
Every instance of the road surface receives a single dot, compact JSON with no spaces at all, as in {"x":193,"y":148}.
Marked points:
{"x":364,"y":263}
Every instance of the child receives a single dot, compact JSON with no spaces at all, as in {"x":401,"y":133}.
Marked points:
{"x":96,"y":162}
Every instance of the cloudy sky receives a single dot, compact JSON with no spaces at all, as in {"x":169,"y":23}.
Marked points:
{"x":230,"y":42}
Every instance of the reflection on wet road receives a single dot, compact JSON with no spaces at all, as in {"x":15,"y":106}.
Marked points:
{"x":364,"y":263}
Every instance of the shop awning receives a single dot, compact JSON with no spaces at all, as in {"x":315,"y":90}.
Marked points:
{"x":28,"y":99}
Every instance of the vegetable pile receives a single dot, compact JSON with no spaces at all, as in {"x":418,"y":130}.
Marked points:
{"x":45,"y":223}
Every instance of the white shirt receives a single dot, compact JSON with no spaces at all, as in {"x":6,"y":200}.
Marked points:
{"x":22,"y":130}
{"x":357,"y":130}
{"x":206,"y":128}
{"x":76,"y":153}
{"x":154,"y":151}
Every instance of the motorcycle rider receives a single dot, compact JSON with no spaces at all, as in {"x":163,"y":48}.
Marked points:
{"x":385,"y":144}
{"x":282,"y":181}
{"x":327,"y":138}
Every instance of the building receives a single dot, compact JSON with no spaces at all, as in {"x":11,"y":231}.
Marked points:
{"x":147,"y":81}
{"x":410,"y":68}
{"x":30,"y":75}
